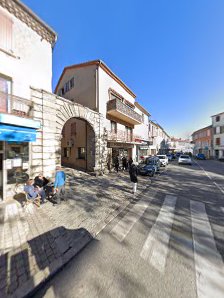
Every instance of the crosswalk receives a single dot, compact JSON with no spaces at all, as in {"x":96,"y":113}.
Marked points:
{"x":209,"y":266}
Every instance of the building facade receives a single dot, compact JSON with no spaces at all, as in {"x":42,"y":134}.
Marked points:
{"x":25,"y":40}
{"x":202,"y":141}
{"x":158,"y":138}
{"x":95,"y":86}
{"x":218,"y":135}
{"x":180,"y":145}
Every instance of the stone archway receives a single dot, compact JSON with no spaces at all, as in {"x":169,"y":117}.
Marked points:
{"x":53,"y":112}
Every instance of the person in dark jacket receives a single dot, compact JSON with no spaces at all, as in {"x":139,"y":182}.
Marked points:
{"x":116,"y":163}
{"x":124,"y":163}
{"x":130,"y":161}
{"x":40,"y":181}
{"x":133,"y":171}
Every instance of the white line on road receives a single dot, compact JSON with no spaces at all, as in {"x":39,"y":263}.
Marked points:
{"x":208,"y":262}
{"x":216,"y":184}
{"x":222,"y":208}
{"x":127,"y":222}
{"x":155,"y":248}
{"x":219,"y":187}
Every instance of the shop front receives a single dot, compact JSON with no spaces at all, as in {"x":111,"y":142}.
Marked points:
{"x":15,"y":153}
{"x":120,"y":150}
{"x":142,"y":149}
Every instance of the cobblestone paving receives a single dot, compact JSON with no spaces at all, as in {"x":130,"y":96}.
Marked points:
{"x":35,"y":242}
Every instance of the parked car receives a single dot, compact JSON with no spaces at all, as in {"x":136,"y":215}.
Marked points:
{"x":149,"y":166}
{"x":184,"y":159}
{"x":170,"y":156}
{"x":200,"y":156}
{"x":163,"y":160}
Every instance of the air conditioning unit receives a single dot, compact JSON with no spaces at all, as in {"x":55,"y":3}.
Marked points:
{"x":70,"y":143}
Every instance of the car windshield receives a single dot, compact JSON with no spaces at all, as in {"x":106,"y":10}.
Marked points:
{"x":161,"y":157}
{"x":149,"y":161}
{"x":184,"y":156}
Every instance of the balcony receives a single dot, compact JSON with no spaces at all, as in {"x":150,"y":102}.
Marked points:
{"x":14,"y":105}
{"x":120,"y":136}
{"x":118,"y":109}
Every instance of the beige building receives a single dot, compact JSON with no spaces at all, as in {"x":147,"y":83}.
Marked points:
{"x":94,"y":85}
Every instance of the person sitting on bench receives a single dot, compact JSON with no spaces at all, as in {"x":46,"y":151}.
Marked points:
{"x":33,"y":191}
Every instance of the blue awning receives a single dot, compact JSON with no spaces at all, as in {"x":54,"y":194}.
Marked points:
{"x":17,"y":133}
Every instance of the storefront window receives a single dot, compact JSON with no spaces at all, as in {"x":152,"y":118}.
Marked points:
{"x":17,"y":162}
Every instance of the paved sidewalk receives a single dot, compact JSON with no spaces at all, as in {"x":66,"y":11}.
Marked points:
{"x":36,"y":242}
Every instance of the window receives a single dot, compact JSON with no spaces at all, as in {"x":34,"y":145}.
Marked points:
{"x":217,"y":141}
{"x":5,"y":90}
{"x":67,"y":152}
{"x":5,"y":32}
{"x":66,"y":87}
{"x":128,"y":134}
{"x":113,"y":127}
{"x":217,"y":118}
{"x":218,"y":129}
{"x":81,"y":153}
{"x":72,"y":83}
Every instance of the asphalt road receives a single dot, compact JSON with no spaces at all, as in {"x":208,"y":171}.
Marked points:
{"x":170,"y":243}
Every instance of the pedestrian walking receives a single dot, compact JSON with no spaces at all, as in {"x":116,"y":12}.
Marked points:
{"x":59,"y":184}
{"x":130,"y":161}
{"x":116,"y":163}
{"x":124,"y":163}
{"x":133,"y":171}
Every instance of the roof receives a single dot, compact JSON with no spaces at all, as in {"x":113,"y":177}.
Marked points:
{"x":101,"y":64}
{"x":137,"y":104}
{"x":210,"y":126}
{"x":217,"y":114}
{"x":27,"y":16}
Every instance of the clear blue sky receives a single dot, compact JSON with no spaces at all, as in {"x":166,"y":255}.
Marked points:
{"x":170,"y":53}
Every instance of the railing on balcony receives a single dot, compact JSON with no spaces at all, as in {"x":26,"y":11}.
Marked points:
{"x":117,"y":105}
{"x":120,"y":136}
{"x":11,"y":104}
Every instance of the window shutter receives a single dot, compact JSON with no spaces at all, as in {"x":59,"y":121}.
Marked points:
{"x":5,"y":32}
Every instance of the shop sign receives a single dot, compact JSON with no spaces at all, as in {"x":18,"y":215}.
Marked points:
{"x":17,"y":162}
{"x":120,"y":145}
{"x":8,"y":164}
{"x":144,"y":148}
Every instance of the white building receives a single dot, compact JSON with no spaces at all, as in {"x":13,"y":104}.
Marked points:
{"x":218,"y":135}
{"x":25,"y":60}
{"x":159,"y":139}
{"x":180,"y":145}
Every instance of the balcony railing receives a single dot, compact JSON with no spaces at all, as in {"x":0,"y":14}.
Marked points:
{"x":120,"y":136}
{"x":117,"y":108}
{"x":11,"y":104}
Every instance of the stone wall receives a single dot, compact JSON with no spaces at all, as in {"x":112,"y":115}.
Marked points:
{"x":53,"y":112}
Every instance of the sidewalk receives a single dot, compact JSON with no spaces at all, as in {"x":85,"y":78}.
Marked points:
{"x":36,"y":242}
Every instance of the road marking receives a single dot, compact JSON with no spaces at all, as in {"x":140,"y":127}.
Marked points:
{"x":155,"y":248}
{"x":124,"y":226}
{"x":216,"y":184}
{"x":208,"y":262}
{"x":222,"y":208}
{"x":219,"y":187}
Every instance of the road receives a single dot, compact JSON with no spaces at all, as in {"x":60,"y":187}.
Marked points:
{"x":169,"y":243}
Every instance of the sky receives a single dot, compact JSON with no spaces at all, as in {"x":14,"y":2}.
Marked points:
{"x":170,"y":53}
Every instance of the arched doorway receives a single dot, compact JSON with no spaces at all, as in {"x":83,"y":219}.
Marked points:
{"x":78,"y":145}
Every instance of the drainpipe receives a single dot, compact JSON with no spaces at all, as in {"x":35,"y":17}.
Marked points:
{"x":97,"y":109}
{"x":42,"y":132}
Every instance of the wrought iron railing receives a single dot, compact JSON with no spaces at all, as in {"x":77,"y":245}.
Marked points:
{"x":116,"y":104}
{"x":120,"y":136}
{"x":11,"y":104}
